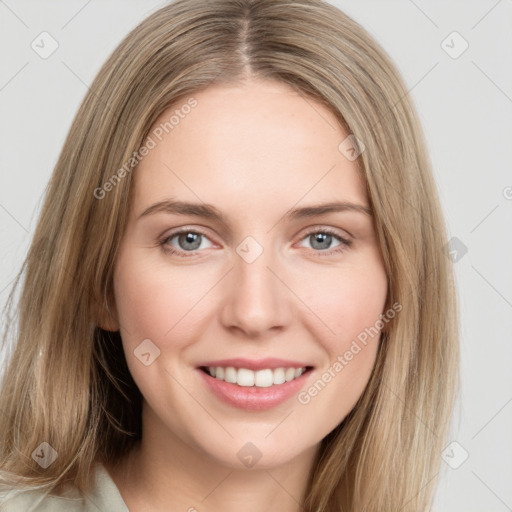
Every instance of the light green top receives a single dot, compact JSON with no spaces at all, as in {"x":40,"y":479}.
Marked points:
{"x":103,"y":497}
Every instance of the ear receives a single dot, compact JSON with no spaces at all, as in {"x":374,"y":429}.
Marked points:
{"x":106,"y":315}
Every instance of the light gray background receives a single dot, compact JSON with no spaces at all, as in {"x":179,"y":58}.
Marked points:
{"x":465,"y":105}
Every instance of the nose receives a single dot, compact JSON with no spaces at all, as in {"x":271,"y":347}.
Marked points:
{"x":257,"y":300}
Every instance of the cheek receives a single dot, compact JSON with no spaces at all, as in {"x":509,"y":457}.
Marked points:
{"x":160,"y":304}
{"x":354,"y":308}
{"x":154,"y":302}
{"x":347,"y":302}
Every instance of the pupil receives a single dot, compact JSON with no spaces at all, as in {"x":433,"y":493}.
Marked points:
{"x":190,"y":240}
{"x":322,"y":238}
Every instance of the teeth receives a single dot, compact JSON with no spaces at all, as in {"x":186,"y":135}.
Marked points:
{"x":261,"y":378}
{"x":244,"y":377}
{"x":279,"y":376}
{"x":230,"y":375}
{"x":264,"y":378}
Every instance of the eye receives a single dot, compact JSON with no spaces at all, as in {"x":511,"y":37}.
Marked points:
{"x":188,"y":241}
{"x":191,"y":240}
{"x":321,"y":240}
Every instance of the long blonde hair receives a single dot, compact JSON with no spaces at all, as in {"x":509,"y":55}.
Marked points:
{"x":67,"y":382}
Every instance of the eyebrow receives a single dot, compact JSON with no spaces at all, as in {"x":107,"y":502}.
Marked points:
{"x":209,"y":211}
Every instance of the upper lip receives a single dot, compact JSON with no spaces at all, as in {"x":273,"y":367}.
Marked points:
{"x":256,"y":364}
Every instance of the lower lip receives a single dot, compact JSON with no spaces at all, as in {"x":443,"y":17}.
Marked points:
{"x":254,"y":398}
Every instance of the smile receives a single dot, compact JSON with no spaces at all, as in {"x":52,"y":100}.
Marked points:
{"x":263,"y":378}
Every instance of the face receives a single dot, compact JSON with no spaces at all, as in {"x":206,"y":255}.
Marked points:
{"x":224,"y":265}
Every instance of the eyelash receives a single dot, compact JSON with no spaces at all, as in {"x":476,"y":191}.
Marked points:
{"x":345,"y":244}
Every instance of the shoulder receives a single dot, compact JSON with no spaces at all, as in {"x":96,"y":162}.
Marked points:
{"x":32,"y":501}
{"x":103,"y":496}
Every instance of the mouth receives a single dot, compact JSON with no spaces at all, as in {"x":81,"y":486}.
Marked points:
{"x":255,"y":384}
{"x":261,"y":378}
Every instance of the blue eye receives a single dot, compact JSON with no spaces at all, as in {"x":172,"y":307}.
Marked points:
{"x":321,"y":239}
{"x":189,"y":241}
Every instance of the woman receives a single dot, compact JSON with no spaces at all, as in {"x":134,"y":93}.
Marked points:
{"x":301,"y":353}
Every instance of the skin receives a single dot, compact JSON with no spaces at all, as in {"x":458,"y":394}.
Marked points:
{"x":254,"y":151}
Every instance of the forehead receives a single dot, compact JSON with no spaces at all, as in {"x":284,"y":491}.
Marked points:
{"x":256,"y":144}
